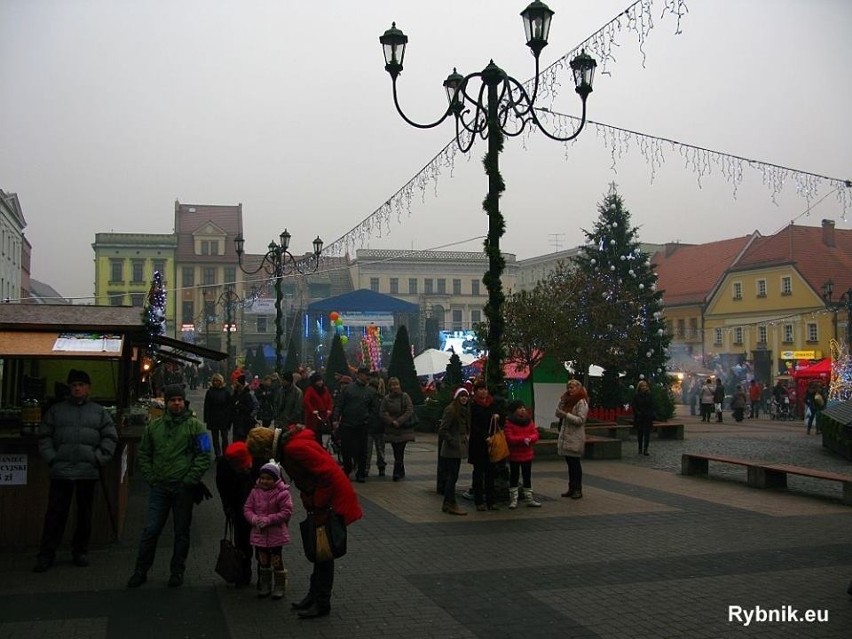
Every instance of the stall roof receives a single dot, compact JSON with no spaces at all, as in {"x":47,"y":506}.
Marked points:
{"x":71,"y":318}
{"x":363,"y":300}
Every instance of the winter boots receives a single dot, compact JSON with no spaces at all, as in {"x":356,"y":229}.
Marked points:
{"x":452,"y":508}
{"x":280,"y":586}
{"x":264,"y":581}
{"x":530,"y":499}
{"x":513,"y":498}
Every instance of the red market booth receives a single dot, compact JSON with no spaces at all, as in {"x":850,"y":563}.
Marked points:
{"x":39,"y":344}
{"x":817,"y":372}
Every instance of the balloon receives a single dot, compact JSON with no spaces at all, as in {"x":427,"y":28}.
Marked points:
{"x":333,"y":316}
{"x":344,"y":339}
{"x":338,"y":322}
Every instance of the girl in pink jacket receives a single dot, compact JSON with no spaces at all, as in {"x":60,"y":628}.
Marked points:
{"x":521,"y":433}
{"x":268,"y":509}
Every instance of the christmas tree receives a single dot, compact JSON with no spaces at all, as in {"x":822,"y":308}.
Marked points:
{"x":623,"y":318}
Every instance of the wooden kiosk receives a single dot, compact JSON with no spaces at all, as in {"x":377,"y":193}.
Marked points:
{"x":39,"y":344}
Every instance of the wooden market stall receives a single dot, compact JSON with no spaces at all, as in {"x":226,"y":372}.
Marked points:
{"x":39,"y":344}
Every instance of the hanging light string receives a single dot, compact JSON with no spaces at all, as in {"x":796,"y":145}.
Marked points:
{"x":637,"y":19}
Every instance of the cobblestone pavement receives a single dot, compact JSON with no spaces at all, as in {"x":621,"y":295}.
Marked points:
{"x":647,"y":552}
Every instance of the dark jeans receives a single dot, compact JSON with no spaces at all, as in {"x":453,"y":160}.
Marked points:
{"x":706,"y":412}
{"x":164,"y":499}
{"x":643,"y":434}
{"x":322,"y":582}
{"x":220,"y":440}
{"x":520,"y":469}
{"x":399,"y":459}
{"x":483,"y":483}
{"x":353,"y":444}
{"x":377,"y":441}
{"x":451,"y":466}
{"x":58,"y":505}
{"x":575,"y":473}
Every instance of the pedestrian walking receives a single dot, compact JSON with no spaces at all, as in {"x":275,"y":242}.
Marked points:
{"x":719,"y":399}
{"x":355,"y":409}
{"x":738,"y":403}
{"x":217,"y":413}
{"x":453,"y":434}
{"x":644,"y":411}
{"x":397,"y":413}
{"x":268,"y":509}
{"x":572,"y":411}
{"x":77,"y":437}
{"x":706,"y":400}
{"x":317,"y":404}
{"x":243,"y":409}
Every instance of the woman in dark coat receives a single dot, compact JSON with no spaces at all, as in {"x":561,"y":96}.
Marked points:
{"x":643,"y":415}
{"x":217,"y":412}
{"x":482,"y":412}
{"x":396,"y":412}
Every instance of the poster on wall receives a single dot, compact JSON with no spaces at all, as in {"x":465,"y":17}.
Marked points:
{"x":87,"y":343}
{"x":13,"y":469}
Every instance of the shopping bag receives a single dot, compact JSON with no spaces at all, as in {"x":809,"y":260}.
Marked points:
{"x":229,"y":564}
{"x":498,"y":447}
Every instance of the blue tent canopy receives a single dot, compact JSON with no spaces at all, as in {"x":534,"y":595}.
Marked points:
{"x":362,"y":300}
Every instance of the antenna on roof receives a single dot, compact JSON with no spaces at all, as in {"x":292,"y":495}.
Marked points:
{"x":556,"y":241}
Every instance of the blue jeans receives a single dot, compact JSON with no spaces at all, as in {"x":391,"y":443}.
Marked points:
{"x":164,"y":499}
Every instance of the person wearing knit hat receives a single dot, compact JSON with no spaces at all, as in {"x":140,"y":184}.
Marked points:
{"x":234,"y":480}
{"x":173,"y":456}
{"x":453,"y":433}
{"x":77,"y":437}
{"x":268,"y":509}
{"x":322,"y":485}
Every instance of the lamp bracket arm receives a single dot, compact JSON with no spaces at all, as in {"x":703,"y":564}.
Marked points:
{"x":557,"y":138}
{"x":431,"y":125}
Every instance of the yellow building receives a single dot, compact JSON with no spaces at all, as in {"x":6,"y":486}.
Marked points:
{"x":124,"y":269}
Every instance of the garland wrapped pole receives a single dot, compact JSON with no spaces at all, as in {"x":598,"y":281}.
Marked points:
{"x":498,"y":105}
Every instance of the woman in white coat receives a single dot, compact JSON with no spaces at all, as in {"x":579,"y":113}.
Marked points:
{"x":572,"y":412}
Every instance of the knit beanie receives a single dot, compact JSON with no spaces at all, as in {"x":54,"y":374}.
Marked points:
{"x":75,"y":375}
{"x":238,"y":454}
{"x":271,"y":469}
{"x":174,"y":390}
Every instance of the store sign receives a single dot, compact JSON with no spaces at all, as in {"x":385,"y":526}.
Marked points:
{"x":262,"y":306}
{"x":13,"y":470}
{"x":801,"y":354}
{"x":365,"y":319}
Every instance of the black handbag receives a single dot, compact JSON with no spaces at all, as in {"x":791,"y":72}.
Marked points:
{"x":229,"y":564}
{"x":323,"y":536}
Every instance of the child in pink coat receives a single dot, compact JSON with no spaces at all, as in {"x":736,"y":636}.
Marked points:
{"x":268,"y":509}
{"x":521,"y":433}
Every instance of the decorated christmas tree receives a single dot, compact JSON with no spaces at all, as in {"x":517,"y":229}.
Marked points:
{"x":624,"y":322}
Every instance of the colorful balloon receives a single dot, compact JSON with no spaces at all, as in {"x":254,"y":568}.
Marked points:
{"x":333,"y":316}
{"x":344,"y":339}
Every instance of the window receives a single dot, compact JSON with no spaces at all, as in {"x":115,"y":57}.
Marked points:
{"x":786,"y":285}
{"x":456,"y":287}
{"x":427,"y":286}
{"x":761,"y":288}
{"x":475,"y":317}
{"x":137,"y":299}
{"x":681,"y":329}
{"x":738,"y":290}
{"x":474,"y":287}
{"x":717,"y":336}
{"x":813,"y":333}
{"x":262,"y":326}
{"x":412,"y":286}
{"x":457,"y":319}
{"x":374,"y":284}
{"x":209,"y":247}
{"x":116,"y":299}
{"x":187,"y":274}
{"x":208,"y":275}
{"x":187,"y":313}
{"x":442,"y":286}
{"x":231,"y":277}
{"x":138,"y":272}
{"x":160,"y":265}
{"x":761,"y":335}
{"x":693,"y":328}
{"x":738,"y":335}
{"x":116,"y":270}
{"x":394,"y":285}
{"x":788,"y":333}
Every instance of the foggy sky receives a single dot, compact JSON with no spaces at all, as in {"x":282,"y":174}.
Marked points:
{"x":113,"y":109}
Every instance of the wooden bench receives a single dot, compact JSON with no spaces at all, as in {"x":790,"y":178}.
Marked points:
{"x":668,"y":430}
{"x":764,"y":474}
{"x":612,"y":430}
{"x":596,"y":448}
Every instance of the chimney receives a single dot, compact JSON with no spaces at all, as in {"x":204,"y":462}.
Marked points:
{"x":828,"y":232}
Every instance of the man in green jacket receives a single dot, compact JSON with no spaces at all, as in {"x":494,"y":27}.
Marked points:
{"x":173,"y":456}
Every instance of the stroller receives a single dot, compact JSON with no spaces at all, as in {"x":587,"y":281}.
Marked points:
{"x":780,"y":411}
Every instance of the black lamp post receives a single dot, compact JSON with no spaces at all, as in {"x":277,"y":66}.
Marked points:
{"x":228,"y":300}
{"x":845,"y":301}
{"x":279,"y":262}
{"x":485,"y":110}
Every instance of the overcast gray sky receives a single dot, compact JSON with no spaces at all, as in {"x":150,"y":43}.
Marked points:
{"x":112,"y":109}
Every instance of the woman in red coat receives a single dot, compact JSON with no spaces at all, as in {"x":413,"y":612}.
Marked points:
{"x":318,"y":405}
{"x":323,"y":486}
{"x":521,"y":433}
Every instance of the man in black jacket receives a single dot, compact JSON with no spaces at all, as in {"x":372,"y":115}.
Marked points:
{"x":354,"y":411}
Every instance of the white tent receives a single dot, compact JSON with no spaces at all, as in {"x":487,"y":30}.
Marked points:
{"x":434,"y":362}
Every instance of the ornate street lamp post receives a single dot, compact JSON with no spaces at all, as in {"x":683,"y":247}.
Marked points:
{"x":229,"y":300}
{"x":278,"y":263}
{"x":491,"y":104}
{"x":845,"y":301}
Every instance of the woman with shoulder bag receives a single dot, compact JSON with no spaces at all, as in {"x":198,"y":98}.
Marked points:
{"x":453,"y":433}
{"x":397,"y":414}
{"x":572,"y":410}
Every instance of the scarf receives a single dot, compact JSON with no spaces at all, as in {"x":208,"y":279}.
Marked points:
{"x":568,"y":400}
